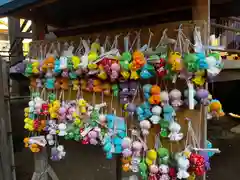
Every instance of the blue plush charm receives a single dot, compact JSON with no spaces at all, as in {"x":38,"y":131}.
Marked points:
{"x":145,"y":74}
{"x":107,"y":146}
{"x":209,"y":146}
{"x":143,"y":111}
{"x":202,"y":61}
{"x":117,"y":131}
{"x":73,"y":75}
{"x":50,"y":83}
{"x":147,"y":88}
{"x":168,"y":112}
{"x":57,"y":66}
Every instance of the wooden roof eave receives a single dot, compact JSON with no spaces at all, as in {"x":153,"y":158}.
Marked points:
{"x":63,"y":14}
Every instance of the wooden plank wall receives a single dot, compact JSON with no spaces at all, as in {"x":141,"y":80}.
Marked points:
{"x":157,"y":31}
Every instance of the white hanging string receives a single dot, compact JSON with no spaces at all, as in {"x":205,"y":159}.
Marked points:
{"x":135,"y":39}
{"x":164,"y":36}
{"x":150,"y":38}
{"x":115,"y":42}
{"x":106,"y":44}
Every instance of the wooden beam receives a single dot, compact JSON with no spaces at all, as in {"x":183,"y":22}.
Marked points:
{"x":24,"y":35}
{"x":225,"y":27}
{"x":137,"y":21}
{"x":201,"y":14}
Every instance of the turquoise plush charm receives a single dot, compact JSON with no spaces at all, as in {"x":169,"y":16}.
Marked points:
{"x":50,"y":83}
{"x":57,"y":66}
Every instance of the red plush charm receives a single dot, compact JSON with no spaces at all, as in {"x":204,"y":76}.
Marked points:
{"x":44,"y":109}
{"x":160,"y":67}
{"x":197,"y":163}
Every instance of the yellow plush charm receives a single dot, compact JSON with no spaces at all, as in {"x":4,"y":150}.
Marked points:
{"x":198,"y":80}
{"x":134,"y":75}
{"x":75,"y":84}
{"x":76,"y":61}
{"x":82,"y":106}
{"x":192,"y":176}
{"x":125,"y":74}
{"x":28,"y":124}
{"x":175,"y":61}
{"x":102,"y":74}
{"x":151,"y":157}
{"x":35,"y":66}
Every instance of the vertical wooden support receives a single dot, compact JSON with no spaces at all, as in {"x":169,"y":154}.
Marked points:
{"x":201,"y":17}
{"x":42,"y":169}
{"x":38,"y":29}
{"x":5,"y":156}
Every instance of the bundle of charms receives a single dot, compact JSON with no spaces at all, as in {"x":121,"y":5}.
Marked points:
{"x":108,"y":71}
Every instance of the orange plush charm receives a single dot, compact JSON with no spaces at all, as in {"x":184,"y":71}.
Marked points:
{"x":64,"y":85}
{"x":155,"y":95}
{"x":48,"y":63}
{"x":58,"y":83}
{"x":33,"y":82}
{"x":138,"y":60}
{"x":97,"y":86}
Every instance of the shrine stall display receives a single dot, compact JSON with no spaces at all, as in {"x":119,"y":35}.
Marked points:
{"x":142,"y":80}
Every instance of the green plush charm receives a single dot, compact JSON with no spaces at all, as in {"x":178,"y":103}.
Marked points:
{"x":73,"y":133}
{"x":28,"y":70}
{"x":169,"y":73}
{"x":70,"y":64}
{"x":125,"y":60}
{"x":191,"y":62}
{"x":35,"y":94}
{"x":164,"y":128}
{"x":115,"y":90}
{"x":216,"y":55}
{"x":143,"y":170}
{"x":51,"y":97}
{"x":94,"y":117}
{"x":163,"y":155}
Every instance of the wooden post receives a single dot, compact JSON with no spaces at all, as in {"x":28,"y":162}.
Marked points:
{"x":201,"y":17}
{"x":5,"y":156}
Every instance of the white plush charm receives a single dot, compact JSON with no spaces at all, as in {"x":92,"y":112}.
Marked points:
{"x":52,"y":129}
{"x":183,"y":165}
{"x":164,"y":97}
{"x":164,"y":170}
{"x":61,"y":151}
{"x":155,"y":119}
{"x":31,"y":105}
{"x":175,"y":96}
{"x":50,"y":140}
{"x":175,"y":134}
{"x":62,"y":129}
{"x":212,"y":70}
{"x":145,"y":125}
{"x":156,"y":111}
{"x":63,"y":62}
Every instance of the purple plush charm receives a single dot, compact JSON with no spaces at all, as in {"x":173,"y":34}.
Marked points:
{"x":131,"y":107}
{"x":202,"y":93}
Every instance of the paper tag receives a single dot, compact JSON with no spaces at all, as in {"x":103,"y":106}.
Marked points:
{"x":40,"y":140}
{"x":174,"y":79}
{"x":86,"y":131}
{"x":113,"y":149}
{"x":144,"y":48}
{"x":84,"y":61}
{"x":190,"y":96}
{"x":126,"y":44}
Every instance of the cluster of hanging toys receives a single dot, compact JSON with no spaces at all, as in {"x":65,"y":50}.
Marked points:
{"x":108,"y":71}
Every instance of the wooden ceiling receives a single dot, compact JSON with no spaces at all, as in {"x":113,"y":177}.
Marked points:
{"x":95,"y":15}
{"x":62,"y":13}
